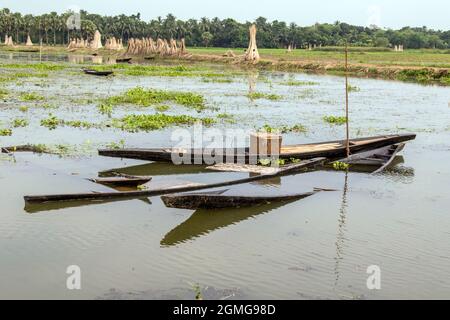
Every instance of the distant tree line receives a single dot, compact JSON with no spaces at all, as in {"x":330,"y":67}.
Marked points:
{"x":229,"y":33}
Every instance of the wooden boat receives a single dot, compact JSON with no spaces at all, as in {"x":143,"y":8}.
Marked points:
{"x":329,"y":149}
{"x":123,"y":60}
{"x":380,"y":159}
{"x":97,"y":73}
{"x":216,"y":200}
{"x":122,"y":181}
{"x":286,"y":170}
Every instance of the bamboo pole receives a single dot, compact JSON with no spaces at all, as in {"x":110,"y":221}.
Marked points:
{"x":346,"y":101}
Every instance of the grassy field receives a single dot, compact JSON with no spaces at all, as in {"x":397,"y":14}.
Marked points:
{"x":367,"y":56}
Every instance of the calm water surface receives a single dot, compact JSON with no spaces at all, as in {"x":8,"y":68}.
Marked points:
{"x":315,"y":248}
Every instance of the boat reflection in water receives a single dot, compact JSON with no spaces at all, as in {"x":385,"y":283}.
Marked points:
{"x":203,"y":221}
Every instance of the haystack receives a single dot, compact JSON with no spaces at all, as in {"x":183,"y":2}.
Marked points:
{"x":162,"y":47}
{"x":9,"y":41}
{"x":182,"y":46}
{"x":97,"y":42}
{"x":252,"y":53}
{"x":29,"y":42}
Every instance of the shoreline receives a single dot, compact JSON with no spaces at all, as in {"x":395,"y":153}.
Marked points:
{"x":406,"y":73}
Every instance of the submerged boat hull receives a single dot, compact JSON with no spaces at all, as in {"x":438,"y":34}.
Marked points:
{"x":216,"y":200}
{"x":329,"y":149}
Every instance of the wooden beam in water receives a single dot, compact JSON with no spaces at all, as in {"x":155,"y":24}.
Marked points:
{"x":289,"y":169}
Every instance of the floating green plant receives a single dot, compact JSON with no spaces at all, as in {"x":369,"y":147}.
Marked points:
{"x":105,"y":108}
{"x":157,"y":121}
{"x":260,"y":95}
{"x":340,"y":166}
{"x":24,"y":108}
{"x":52,"y":122}
{"x":226,"y":117}
{"x":116,"y":145}
{"x":283,"y":129}
{"x":295,"y":83}
{"x":35,"y":66}
{"x":48,"y":106}
{"x":31,"y":96}
{"x":162,"y":108}
{"x":20,"y":123}
{"x":3,"y":93}
{"x":217,"y":80}
{"x":142,"y":97}
{"x":5,"y":132}
{"x":337,"y":120}
{"x":353,"y":88}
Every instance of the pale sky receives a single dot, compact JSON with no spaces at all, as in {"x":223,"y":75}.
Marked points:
{"x":385,"y":13}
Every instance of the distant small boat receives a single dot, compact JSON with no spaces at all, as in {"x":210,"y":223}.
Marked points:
{"x":216,"y":200}
{"x":123,"y":60}
{"x":122,"y":181}
{"x":97,"y":73}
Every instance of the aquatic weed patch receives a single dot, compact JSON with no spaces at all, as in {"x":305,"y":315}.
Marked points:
{"x":336,"y":120}
{"x":298,"y":128}
{"x":105,"y":108}
{"x":157,"y":121}
{"x":294,"y":83}
{"x":31,"y":96}
{"x":34,"y":66}
{"x":5,"y":132}
{"x":20,"y":123}
{"x":260,"y":95}
{"x":142,"y":97}
{"x":353,"y":88}
{"x":3,"y":93}
{"x":52,"y":122}
{"x":217,"y":80}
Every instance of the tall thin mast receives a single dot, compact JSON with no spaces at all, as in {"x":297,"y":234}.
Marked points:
{"x":346,"y":101}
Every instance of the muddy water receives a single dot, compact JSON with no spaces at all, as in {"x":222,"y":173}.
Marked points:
{"x":318,"y":247}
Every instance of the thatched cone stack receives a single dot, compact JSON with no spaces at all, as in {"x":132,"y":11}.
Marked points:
{"x":113,"y":44}
{"x":97,"y":42}
{"x":78,"y":44}
{"x":29,"y":42}
{"x":183,"y":46}
{"x":9,"y":41}
{"x":162,"y":47}
{"x":252,"y":53}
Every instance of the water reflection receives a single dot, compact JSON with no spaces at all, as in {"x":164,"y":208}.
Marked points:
{"x":53,"y":206}
{"x":341,"y":232}
{"x":252,"y":80}
{"x":202,"y":221}
{"x":75,"y":59}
